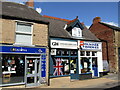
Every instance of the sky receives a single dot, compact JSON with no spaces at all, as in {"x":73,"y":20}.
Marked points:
{"x":86,"y":11}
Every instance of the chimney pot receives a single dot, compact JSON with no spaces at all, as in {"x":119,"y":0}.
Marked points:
{"x":30,"y":3}
{"x":82,"y":23}
{"x":96,"y":20}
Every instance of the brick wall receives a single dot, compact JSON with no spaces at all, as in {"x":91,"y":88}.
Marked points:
{"x":7,"y":32}
{"x":118,"y":39}
{"x":40,"y":34}
{"x":117,"y":45}
{"x":105,"y":33}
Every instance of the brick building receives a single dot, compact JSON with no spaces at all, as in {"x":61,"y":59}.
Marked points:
{"x":110,"y":37}
{"x":23,"y":45}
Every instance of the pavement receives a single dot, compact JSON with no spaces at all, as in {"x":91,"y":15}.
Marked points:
{"x":108,"y":81}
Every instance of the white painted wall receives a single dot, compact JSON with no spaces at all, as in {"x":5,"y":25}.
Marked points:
{"x":100,"y":62}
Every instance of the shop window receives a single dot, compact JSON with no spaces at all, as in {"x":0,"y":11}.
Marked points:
{"x":61,"y":66}
{"x":65,"y":52}
{"x":94,"y":53}
{"x":76,"y":32}
{"x":82,"y":53}
{"x":73,"y":53}
{"x":13,"y":69}
{"x":87,"y":53}
{"x":73,"y":65}
{"x":23,"y":33}
{"x":94,"y":62}
{"x":58,"y":52}
{"x":85,"y":65}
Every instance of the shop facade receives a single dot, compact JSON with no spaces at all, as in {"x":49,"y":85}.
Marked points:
{"x":75,"y":58}
{"x":63,"y":58}
{"x":23,"y":46}
{"x":22,"y":65}
{"x":90,"y":59}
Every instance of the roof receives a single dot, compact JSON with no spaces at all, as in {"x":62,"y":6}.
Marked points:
{"x":88,"y":35}
{"x":56,"y":18}
{"x":110,"y":26}
{"x":56,"y":29}
{"x":20,"y":11}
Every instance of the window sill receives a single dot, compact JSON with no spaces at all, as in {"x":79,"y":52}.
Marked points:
{"x":17,"y":44}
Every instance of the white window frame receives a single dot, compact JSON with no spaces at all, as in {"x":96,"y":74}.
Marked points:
{"x":24,"y":33}
{"x":76,"y":32}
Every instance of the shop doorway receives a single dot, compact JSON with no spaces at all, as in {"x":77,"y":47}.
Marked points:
{"x":32,"y":71}
{"x":95,"y":66}
{"x":74,"y":75}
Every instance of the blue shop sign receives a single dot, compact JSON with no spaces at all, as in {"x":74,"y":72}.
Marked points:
{"x":14,"y":49}
{"x":86,"y":45}
{"x":43,"y":65}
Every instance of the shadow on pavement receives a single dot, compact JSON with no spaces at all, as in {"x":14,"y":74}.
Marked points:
{"x":114,"y":88}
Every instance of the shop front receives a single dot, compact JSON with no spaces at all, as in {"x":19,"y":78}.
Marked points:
{"x":63,"y":58}
{"x":22,"y":65}
{"x":90,"y":59}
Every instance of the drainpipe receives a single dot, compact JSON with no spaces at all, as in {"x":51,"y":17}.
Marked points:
{"x":49,"y":57}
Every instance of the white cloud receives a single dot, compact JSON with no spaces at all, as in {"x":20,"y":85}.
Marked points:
{"x":88,"y":27}
{"x":112,"y":23}
{"x":39,"y":10}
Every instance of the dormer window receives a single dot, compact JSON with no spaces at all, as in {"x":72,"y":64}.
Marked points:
{"x":76,"y":32}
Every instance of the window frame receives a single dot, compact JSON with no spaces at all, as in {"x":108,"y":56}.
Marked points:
{"x":77,"y":34}
{"x":85,"y":56}
{"x":24,"y":33}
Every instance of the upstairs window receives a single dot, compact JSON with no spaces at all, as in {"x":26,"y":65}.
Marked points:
{"x":76,"y":32}
{"x":24,"y":33}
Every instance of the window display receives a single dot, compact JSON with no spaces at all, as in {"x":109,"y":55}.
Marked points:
{"x":73,"y":66}
{"x":13,"y":68}
{"x":94,"y":53}
{"x":85,"y":65}
{"x":87,"y":53}
{"x":65,"y":52}
{"x":73,"y":53}
{"x":82,"y":53}
{"x":63,"y":63}
{"x":58,"y":52}
{"x":61,"y":66}
{"x":30,"y":66}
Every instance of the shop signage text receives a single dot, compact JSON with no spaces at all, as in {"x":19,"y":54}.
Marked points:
{"x":13,"y":49}
{"x":85,"y":45}
{"x":63,"y":44}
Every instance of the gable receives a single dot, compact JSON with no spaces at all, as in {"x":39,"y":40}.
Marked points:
{"x":75,"y":24}
{"x":75,"y":28}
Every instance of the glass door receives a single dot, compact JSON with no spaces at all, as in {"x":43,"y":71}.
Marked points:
{"x":95,"y":66}
{"x":74,"y":69}
{"x":33,"y":70}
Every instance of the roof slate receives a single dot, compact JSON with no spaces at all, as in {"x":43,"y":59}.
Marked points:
{"x":56,"y":29}
{"x":21,"y":11}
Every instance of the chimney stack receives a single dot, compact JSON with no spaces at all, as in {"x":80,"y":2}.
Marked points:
{"x":30,"y":3}
{"x":96,"y":20}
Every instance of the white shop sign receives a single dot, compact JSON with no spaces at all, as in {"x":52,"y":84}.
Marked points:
{"x":86,"y":45}
{"x":63,"y":44}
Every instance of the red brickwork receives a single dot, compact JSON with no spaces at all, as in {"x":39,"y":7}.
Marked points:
{"x":105,"y":33}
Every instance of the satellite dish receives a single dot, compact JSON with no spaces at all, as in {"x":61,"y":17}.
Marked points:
{"x":39,"y":10}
